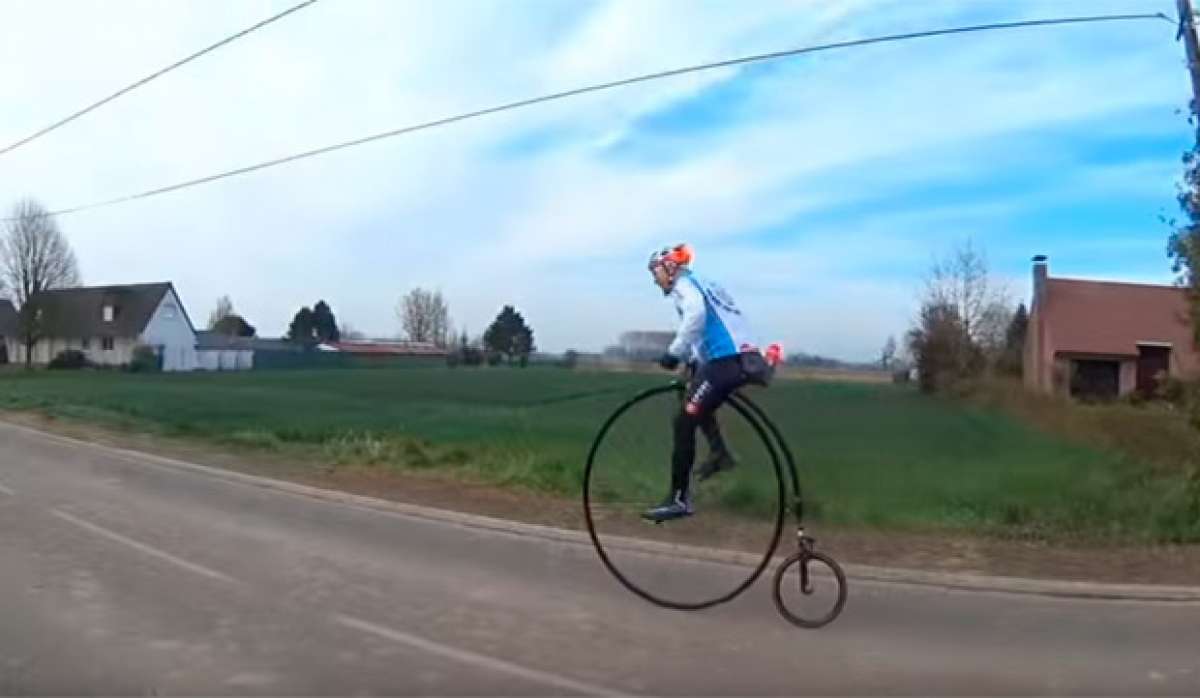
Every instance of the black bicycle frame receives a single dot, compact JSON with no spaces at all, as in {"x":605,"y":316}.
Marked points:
{"x":802,"y":538}
{"x":797,"y":501}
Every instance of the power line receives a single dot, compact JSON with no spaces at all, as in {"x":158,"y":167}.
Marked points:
{"x":606,"y":86}
{"x":160,"y":73}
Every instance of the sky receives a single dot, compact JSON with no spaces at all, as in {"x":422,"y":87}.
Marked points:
{"x":816,"y":189}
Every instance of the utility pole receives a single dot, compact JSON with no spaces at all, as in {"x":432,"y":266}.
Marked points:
{"x":1185,"y":242}
{"x":1187,"y":32}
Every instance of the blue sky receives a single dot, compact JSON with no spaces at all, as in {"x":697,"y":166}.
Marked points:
{"x":817,"y":189}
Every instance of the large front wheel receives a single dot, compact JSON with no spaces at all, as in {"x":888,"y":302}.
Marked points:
{"x":739,"y":511}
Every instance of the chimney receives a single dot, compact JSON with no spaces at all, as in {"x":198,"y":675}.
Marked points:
{"x":1040,"y":271}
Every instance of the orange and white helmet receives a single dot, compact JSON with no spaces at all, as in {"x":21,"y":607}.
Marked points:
{"x":672,"y":257}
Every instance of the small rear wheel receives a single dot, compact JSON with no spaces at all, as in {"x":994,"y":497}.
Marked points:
{"x":810,"y":589}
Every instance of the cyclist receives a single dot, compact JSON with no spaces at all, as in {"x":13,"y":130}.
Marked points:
{"x":714,"y":337}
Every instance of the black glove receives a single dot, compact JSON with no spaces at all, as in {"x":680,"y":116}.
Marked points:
{"x":669,"y":362}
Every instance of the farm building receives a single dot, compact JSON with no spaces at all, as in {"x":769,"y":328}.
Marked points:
{"x":1105,"y":339}
{"x":383,"y":349}
{"x":222,"y":352}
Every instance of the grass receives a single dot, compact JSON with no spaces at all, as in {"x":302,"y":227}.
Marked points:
{"x":870,"y":455}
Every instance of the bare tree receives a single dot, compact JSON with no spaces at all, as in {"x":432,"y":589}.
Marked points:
{"x":34,"y":256}
{"x":960,"y":296}
{"x":223,"y":310}
{"x":425,"y":317}
{"x":963,"y":281}
{"x":888,"y":354}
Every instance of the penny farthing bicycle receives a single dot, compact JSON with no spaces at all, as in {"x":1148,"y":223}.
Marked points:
{"x":742,"y":510}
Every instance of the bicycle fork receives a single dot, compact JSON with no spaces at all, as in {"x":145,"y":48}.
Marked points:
{"x":805,"y":544}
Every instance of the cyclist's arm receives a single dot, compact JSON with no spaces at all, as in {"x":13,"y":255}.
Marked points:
{"x":691,"y":322}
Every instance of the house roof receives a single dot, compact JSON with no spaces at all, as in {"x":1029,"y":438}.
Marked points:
{"x":384,"y":348}
{"x":1110,"y":318}
{"x":9,"y":325}
{"x":79,"y":312}
{"x":206,"y":339}
{"x":260,"y":344}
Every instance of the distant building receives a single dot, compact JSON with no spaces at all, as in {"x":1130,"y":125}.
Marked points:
{"x":1105,"y":339}
{"x":222,"y":352}
{"x":645,"y":345}
{"x":384,"y":348}
{"x":107,"y":323}
{"x":276,"y":346}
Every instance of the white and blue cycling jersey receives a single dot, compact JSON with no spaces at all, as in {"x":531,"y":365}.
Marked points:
{"x":711,"y":325}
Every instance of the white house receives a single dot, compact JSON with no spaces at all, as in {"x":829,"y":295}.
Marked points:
{"x":107,"y":323}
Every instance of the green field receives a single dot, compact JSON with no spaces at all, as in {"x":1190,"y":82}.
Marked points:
{"x":871,"y":455}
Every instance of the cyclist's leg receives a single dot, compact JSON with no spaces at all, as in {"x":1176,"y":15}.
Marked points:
{"x":712,"y":386}
{"x":712,"y":433}
{"x":678,"y":502}
{"x":707,"y":423}
{"x":683,"y":452}
{"x":726,"y":378}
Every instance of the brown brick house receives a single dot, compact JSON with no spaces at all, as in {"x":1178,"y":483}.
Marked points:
{"x":1105,"y":339}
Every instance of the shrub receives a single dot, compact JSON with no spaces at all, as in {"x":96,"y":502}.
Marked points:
{"x":1172,"y":390}
{"x":942,"y":349}
{"x":472,"y":356}
{"x":69,"y":359}
{"x":145,"y":360}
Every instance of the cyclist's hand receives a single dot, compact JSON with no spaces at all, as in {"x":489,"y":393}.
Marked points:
{"x":669,"y":362}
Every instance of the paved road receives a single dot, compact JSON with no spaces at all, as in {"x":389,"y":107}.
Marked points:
{"x":127,"y":577}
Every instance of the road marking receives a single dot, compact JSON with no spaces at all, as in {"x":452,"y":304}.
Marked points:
{"x":478,"y":660}
{"x":143,"y":548}
{"x":5,"y":490}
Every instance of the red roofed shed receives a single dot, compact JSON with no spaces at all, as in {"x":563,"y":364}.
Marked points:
{"x":1105,"y":339}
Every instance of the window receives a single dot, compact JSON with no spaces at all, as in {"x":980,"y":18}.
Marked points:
{"x":1095,"y":379}
{"x":169,"y":311}
{"x":107,"y":344}
{"x":109,"y":312}
{"x":85,"y":343}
